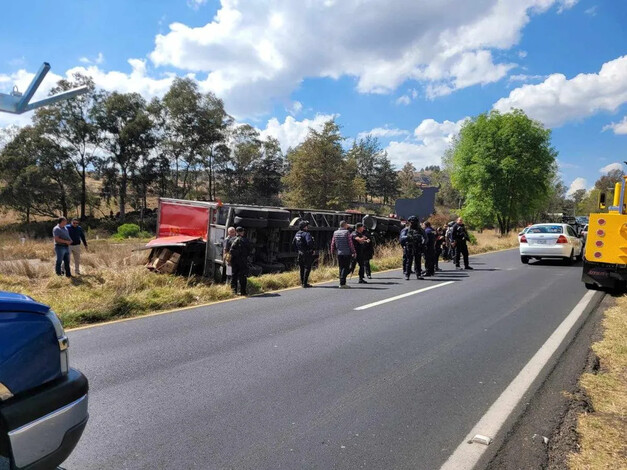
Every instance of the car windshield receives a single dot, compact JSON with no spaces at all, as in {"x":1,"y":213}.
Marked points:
{"x":546,"y":229}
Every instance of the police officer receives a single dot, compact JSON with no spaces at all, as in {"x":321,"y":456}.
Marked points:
{"x":240,"y":250}
{"x":460,"y":243}
{"x":412,"y":240}
{"x":429,"y":249}
{"x":304,"y":244}
{"x":360,"y":242}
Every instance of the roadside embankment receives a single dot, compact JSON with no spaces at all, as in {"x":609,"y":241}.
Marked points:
{"x":115,"y":284}
{"x":602,"y":431}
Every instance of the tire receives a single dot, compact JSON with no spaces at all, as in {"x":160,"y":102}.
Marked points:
{"x":276,"y":223}
{"x":591,"y":286}
{"x":369,"y":222}
{"x":570,"y":259}
{"x":248,"y":213}
{"x":580,"y":257}
{"x":247,"y":222}
{"x":278,"y":215}
{"x":524,"y":259}
{"x":295,"y":221}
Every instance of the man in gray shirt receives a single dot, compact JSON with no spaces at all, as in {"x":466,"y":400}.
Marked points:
{"x":62,"y":242}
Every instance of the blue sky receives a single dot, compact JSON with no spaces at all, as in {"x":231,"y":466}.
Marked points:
{"x":409,"y":71}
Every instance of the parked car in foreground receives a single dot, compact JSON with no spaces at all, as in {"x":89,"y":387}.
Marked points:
{"x":43,"y":402}
{"x":556,"y":241}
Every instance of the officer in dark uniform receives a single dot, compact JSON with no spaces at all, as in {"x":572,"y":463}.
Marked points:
{"x":412,"y":240}
{"x":304,"y":244}
{"x":240,"y":250}
{"x":360,"y":242}
{"x":460,"y":243}
{"x":430,"y":238}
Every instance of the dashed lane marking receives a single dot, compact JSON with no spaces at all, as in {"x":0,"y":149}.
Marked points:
{"x":402,"y":296}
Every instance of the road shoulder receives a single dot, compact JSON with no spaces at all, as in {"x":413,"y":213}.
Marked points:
{"x":545,"y":433}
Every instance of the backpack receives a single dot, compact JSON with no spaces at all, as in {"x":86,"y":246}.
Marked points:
{"x":300,"y":242}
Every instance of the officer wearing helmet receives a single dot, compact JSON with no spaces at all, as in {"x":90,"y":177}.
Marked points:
{"x":304,"y":244}
{"x":412,"y":240}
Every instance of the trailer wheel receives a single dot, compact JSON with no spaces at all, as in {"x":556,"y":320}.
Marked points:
{"x":248,"y":222}
{"x":278,"y":215}
{"x":276,"y":223}
{"x":369,"y":222}
{"x":248,"y":213}
{"x":295,"y":221}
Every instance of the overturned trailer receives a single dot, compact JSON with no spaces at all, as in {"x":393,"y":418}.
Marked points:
{"x":196,"y":230}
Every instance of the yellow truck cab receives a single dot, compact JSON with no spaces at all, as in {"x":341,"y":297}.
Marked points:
{"x":605,"y":260}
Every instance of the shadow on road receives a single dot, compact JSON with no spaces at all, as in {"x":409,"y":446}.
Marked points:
{"x":554,"y":262}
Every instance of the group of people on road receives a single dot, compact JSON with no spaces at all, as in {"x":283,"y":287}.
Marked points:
{"x":354,"y":247}
{"x":423,"y":240}
{"x":67,"y":241}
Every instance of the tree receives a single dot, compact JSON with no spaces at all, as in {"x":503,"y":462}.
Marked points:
{"x":386,"y":179}
{"x":366,"y":153}
{"x":267,"y":173}
{"x":37,"y":176}
{"x":126,"y":133}
{"x":607,"y":182}
{"x":406,"y":177}
{"x":192,"y":127}
{"x":70,"y":125}
{"x":318,"y":174}
{"x":503,"y":165}
{"x":236,"y":169}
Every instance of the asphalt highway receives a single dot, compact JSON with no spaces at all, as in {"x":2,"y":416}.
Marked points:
{"x":301,"y":379}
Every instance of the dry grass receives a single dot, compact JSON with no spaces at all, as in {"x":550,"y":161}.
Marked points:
{"x":492,"y":241}
{"x":603,"y":433}
{"x":115,"y":283}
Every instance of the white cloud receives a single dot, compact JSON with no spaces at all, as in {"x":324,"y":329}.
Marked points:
{"x":592,"y":11}
{"x":612,"y":166}
{"x":576,"y":185}
{"x":522,"y":54}
{"x":404,"y":100}
{"x":617,"y":127}
{"x":291,"y":132}
{"x":558,"y":99}
{"x":99,"y":59}
{"x":255,"y":52}
{"x":427,"y":145}
{"x":525,"y":78}
{"x":295,"y":108}
{"x":383,"y":132}
{"x":195,"y":4}
{"x":566,"y":5}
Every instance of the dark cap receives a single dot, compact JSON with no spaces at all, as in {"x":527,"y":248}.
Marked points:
{"x":302,"y":224}
{"x":239,"y":229}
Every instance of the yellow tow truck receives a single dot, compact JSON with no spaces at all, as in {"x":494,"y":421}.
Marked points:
{"x":605,"y":260}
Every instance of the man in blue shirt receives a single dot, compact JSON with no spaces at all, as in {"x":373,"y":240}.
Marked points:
{"x":77,"y":235}
{"x":62,"y":242}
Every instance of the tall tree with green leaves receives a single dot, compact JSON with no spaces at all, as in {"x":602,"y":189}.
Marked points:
{"x":366,"y":153}
{"x":503,"y":165}
{"x":407,"y":182}
{"x":267,"y":173}
{"x":319,"y":175}
{"x":37,"y":176}
{"x":126,"y":135}
{"x":386,"y":179}
{"x":70,"y":125}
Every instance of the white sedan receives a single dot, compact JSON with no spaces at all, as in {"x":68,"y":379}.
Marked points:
{"x":551,"y":241}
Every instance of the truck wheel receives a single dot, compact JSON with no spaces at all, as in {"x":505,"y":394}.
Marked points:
{"x":591,"y":286}
{"x":249,"y":213}
{"x":276,"y":223}
{"x":570,"y":259}
{"x":248,"y":222}
{"x":278,"y":215}
{"x":580,"y":257}
{"x":524,"y":259}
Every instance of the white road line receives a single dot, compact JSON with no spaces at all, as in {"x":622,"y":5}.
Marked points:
{"x":466,"y":456}
{"x":402,"y":296}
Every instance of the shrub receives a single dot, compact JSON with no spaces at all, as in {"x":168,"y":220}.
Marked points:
{"x":130,"y":231}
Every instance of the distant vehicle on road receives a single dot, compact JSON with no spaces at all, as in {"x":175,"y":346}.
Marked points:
{"x":556,"y":241}
{"x":43,"y":403}
{"x":582,"y":219}
{"x":584,"y":234}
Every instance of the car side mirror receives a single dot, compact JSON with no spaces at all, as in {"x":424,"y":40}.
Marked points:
{"x":602,"y":200}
